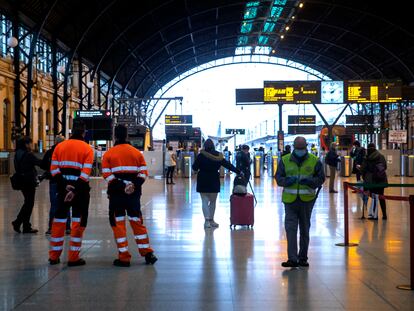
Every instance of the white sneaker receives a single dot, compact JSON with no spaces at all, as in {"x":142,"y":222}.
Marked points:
{"x":214,"y":224}
{"x":207,"y":224}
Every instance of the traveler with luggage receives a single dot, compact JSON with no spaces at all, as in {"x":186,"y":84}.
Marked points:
{"x":243,"y":162}
{"x":374,"y":171}
{"x":357,"y":154}
{"x":170,"y":163}
{"x":208,"y":163}
{"x":24,"y":164}
{"x":332,"y":159}
{"x":300,"y":174}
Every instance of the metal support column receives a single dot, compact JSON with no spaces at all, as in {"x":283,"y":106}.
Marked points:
{"x":55,"y":89}
{"x":280,"y":134}
{"x":80,"y":83}
{"x":16,"y":65}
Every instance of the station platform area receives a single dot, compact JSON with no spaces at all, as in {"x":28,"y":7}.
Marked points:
{"x":210,"y":269}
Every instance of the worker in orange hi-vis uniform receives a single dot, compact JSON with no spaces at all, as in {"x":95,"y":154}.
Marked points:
{"x":125,"y":169}
{"x":71,"y":166}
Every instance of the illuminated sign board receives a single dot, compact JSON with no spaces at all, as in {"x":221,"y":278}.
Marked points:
{"x":292,"y":92}
{"x":87,"y":114}
{"x":297,"y":129}
{"x":235,"y":131}
{"x":178,"y":119}
{"x":302,"y":120}
{"x":373,"y":91}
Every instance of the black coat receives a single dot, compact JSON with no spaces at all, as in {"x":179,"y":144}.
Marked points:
{"x":208,"y":164}
{"x":371,"y":165}
{"x":332,"y":158}
{"x":24,"y":163}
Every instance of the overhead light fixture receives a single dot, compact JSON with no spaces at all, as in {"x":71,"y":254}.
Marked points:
{"x":273,"y":51}
{"x":12,"y":42}
{"x":89,"y":84}
{"x":287,"y":28}
{"x":282,"y":36}
{"x":293,"y":17}
{"x":301,"y":5}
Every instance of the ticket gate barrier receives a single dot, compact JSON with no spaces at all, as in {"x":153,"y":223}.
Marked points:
{"x":187,"y":167}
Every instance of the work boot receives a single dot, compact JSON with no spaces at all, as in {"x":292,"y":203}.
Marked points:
{"x":16,"y":226}
{"x":53,"y":262}
{"x":303,"y":263}
{"x":120,"y":263}
{"x":290,"y":264}
{"x":150,"y":258}
{"x":79,"y":262}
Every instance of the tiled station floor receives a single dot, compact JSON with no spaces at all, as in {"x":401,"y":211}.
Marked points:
{"x":210,"y":269}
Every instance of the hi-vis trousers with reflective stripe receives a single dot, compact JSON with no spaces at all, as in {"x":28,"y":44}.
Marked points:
{"x":80,"y":206}
{"x":118,"y":205}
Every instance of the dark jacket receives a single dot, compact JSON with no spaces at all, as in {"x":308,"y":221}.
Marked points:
{"x":371,"y":167}
{"x":208,"y":164}
{"x":357,"y":155}
{"x":316,"y":181}
{"x":47,"y":161}
{"x":24,"y":163}
{"x":285,"y":152}
{"x":332,"y":158}
{"x":243,"y":162}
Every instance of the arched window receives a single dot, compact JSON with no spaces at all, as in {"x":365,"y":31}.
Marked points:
{"x":6,"y":124}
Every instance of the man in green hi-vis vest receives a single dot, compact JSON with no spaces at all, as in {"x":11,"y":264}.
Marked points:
{"x":300,"y":174}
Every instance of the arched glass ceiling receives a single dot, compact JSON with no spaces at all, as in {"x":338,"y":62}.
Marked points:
{"x":240,"y":59}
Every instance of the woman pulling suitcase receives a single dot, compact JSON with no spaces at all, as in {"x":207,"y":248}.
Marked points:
{"x":208,"y":163}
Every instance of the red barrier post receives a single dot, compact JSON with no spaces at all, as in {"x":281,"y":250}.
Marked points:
{"x":346,"y":219}
{"x":411,"y":286}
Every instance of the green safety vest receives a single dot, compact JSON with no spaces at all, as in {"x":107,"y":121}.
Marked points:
{"x":306,"y":169}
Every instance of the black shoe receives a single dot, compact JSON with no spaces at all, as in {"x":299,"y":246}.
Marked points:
{"x":16,"y":226}
{"x":48,"y":232}
{"x":290,"y":264}
{"x":172,"y":183}
{"x":30,"y":230}
{"x":53,"y":262}
{"x":372,"y":218}
{"x":384,"y":217}
{"x":167,"y":183}
{"x":120,"y":263}
{"x":150,"y":258}
{"x":67,"y":231}
{"x":79,"y":262}
{"x":303,"y":263}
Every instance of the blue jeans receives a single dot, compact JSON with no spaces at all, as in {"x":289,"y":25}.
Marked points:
{"x":54,"y":204}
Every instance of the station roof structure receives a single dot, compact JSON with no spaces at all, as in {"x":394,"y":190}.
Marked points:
{"x":145,"y":44}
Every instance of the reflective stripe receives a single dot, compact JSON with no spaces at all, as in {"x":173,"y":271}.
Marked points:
{"x":54,"y":172}
{"x":70,"y":163}
{"x":56,"y":239}
{"x":133,"y":218}
{"x":121,"y":218}
{"x":109,"y":178}
{"x":121,"y":240}
{"x":106,"y":170}
{"x":142,"y":168}
{"x":141,"y":237}
{"x":70,"y":177}
{"x":56,"y":248}
{"x":87,"y":165}
{"x":55,"y":163}
{"x":143,"y":245}
{"x":76,"y":219}
{"x":142,"y":176}
{"x":59,"y":220}
{"x":84,"y":175}
{"x":125,"y":168}
{"x":123,"y":249}
{"x":300,"y":191}
{"x":75,"y":248}
{"x":78,"y":240}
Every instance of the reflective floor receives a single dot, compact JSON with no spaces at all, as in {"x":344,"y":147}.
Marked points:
{"x":210,"y":269}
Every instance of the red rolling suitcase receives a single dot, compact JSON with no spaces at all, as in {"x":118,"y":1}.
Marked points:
{"x":242,"y":210}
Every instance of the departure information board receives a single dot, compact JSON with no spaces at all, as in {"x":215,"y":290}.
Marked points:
{"x":178,"y":119}
{"x":302,"y":120}
{"x":292,"y":92}
{"x":374,"y":91}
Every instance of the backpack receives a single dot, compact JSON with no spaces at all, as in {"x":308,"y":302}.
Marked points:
{"x":239,"y":185}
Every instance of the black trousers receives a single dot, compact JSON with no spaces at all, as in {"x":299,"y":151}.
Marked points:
{"x":120,"y":203}
{"x":170,"y":173}
{"x":79,"y":205}
{"x":26,"y":210}
{"x":383,"y":204}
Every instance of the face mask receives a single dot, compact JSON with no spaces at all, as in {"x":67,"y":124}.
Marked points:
{"x":300,"y":152}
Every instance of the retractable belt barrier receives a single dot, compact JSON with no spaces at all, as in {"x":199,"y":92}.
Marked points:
{"x":361,"y":188}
